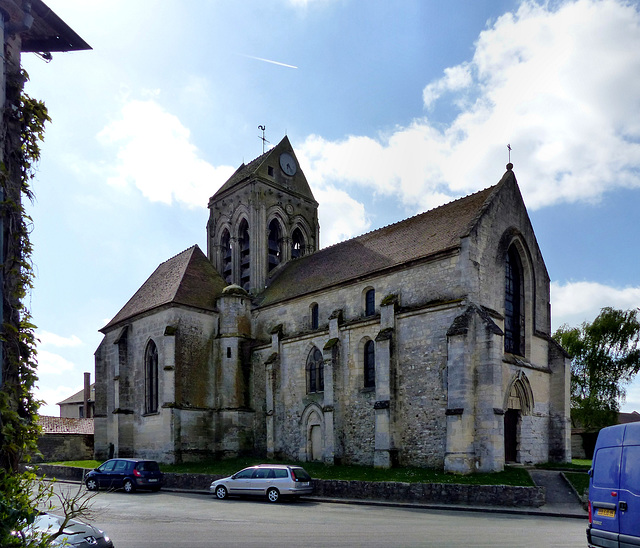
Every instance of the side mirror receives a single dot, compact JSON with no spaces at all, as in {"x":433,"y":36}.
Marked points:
{"x":590,"y":472}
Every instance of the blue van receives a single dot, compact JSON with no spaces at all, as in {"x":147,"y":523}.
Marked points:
{"x":614,"y":488}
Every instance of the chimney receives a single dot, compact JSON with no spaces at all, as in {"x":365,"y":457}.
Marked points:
{"x":87,"y":394}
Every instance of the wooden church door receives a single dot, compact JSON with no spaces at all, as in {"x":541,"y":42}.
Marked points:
{"x":511,"y":418}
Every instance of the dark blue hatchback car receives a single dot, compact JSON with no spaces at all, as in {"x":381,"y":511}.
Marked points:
{"x":128,"y":474}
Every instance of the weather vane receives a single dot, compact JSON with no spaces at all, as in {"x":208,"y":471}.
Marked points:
{"x":264,"y":141}
{"x":509,"y":147}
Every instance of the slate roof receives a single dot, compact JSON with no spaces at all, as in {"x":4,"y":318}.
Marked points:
{"x":187,"y":279}
{"x":78,"y":397}
{"x":415,"y":238}
{"x":258,"y":168}
{"x":62,"y":425}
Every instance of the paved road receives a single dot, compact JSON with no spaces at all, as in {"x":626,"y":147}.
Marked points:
{"x":145,"y":520}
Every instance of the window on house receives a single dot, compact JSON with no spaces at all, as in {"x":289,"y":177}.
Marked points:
{"x":151,"y":378}
{"x":370,"y":302}
{"x":228,"y":351}
{"x":315,"y":372}
{"x":514,"y":304}
{"x":314,"y":316}
{"x":369,"y":364}
{"x":270,"y":171}
{"x":225,"y":251}
{"x":245,"y":256}
{"x":275,"y":253}
{"x":297,"y":244}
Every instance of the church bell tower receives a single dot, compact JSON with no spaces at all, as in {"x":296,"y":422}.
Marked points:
{"x":264,"y":216}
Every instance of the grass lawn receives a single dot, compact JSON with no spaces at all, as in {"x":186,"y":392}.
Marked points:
{"x":511,"y":475}
{"x":575,"y":464}
{"x":579,"y":480}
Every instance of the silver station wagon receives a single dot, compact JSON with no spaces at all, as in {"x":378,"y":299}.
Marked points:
{"x":270,"y":480}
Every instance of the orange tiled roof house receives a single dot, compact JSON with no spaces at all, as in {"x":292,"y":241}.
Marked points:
{"x":424,"y":343}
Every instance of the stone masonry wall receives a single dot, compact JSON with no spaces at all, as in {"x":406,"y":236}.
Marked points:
{"x":418,"y":368}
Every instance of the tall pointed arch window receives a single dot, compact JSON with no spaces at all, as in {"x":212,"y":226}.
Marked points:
{"x":297,"y":244}
{"x":514,"y":326}
{"x":226,"y":256}
{"x":315,"y":371}
{"x":369,"y":364}
{"x":151,"y":378}
{"x":274,"y":243}
{"x":245,"y":255}
{"x":370,"y":302}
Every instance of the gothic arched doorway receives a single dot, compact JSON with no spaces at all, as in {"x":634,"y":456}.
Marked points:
{"x":519,"y":402}
{"x":511,"y":422}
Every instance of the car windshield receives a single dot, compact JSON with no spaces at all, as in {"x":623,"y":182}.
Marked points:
{"x":301,"y":474}
{"x":150,"y":466}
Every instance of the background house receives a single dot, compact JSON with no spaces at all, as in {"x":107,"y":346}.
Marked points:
{"x":81,"y":404}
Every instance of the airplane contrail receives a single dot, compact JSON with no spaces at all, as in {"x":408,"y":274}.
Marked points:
{"x":268,"y":61}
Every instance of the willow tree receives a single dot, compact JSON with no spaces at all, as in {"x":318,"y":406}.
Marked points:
{"x":605,"y":358}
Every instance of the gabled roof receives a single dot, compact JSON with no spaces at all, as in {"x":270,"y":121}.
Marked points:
{"x":78,"y":397}
{"x":259,"y":168}
{"x":418,"y":237}
{"x":188,"y":279}
{"x":63,"y":425}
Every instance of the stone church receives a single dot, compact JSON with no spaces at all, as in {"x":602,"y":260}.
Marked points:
{"x":424,"y":343}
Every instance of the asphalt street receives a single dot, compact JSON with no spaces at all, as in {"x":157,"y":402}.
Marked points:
{"x":170,"y":519}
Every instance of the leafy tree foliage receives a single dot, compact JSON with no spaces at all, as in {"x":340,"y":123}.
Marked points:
{"x":606,"y":357}
{"x":22,"y":130}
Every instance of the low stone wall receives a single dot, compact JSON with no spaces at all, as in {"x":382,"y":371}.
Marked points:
{"x":472,"y":495}
{"x":64,"y":446}
{"x":427,"y":493}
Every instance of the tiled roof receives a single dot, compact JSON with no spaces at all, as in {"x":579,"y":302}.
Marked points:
{"x":626,"y":418}
{"x":78,"y":397}
{"x":188,"y":279}
{"x":61,"y":425}
{"x":415,"y":238}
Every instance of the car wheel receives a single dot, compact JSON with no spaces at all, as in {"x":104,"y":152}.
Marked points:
{"x":92,"y":484}
{"x":221,"y":492}
{"x":273,"y":494}
{"x":128,"y":486}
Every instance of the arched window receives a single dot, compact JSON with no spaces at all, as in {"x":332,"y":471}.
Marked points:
{"x":370,"y":302}
{"x":225,"y":252}
{"x":297,"y":244}
{"x":314,"y":316}
{"x":315,"y":372}
{"x":274,"y":243}
{"x":245,"y":256}
{"x":151,"y":378}
{"x":514,"y":304}
{"x":369,"y":364}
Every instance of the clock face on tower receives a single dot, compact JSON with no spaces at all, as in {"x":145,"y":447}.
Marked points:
{"x":288,"y":164}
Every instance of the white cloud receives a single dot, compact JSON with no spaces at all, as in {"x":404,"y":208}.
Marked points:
{"x":51,"y":395}
{"x":455,"y":79}
{"x":342,"y":216}
{"x":47,"y":338}
{"x":155,"y":155}
{"x":577,"y":302}
{"x":50,"y":363}
{"x":562,"y":86}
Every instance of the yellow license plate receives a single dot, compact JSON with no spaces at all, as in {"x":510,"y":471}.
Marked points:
{"x":606,"y":513}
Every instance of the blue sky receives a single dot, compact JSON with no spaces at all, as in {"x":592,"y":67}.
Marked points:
{"x":392,"y":107}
